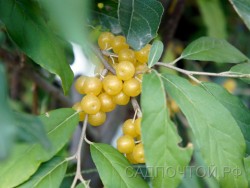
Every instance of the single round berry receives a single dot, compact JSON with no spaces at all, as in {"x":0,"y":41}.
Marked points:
{"x":79,"y":84}
{"x":138,"y":153}
{"x":119,"y":43}
{"x":107,"y":102}
{"x":142,"y":55}
{"x":174,"y":107}
{"x":112,"y":85}
{"x":90,"y":104}
{"x":128,"y":128}
{"x":132,"y":87}
{"x":126,"y":55}
{"x":92,"y":85}
{"x":138,"y":126}
{"x":97,"y":119}
{"x":104,"y":40}
{"x":77,"y":107}
{"x":130,"y":158}
{"x":125,"y":70}
{"x":125,"y":144}
{"x":121,"y":98}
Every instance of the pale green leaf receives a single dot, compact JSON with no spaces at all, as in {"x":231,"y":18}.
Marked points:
{"x":114,"y":169}
{"x":139,"y":20}
{"x":155,"y":53}
{"x":242,"y":7}
{"x":243,"y":68}
{"x":213,"y":17}
{"x":25,"y":159}
{"x":216,"y":132}
{"x":29,"y":31}
{"x":235,"y":106}
{"x":31,"y":129}
{"x":212,"y":49}
{"x":159,"y":135}
{"x":49,"y":174}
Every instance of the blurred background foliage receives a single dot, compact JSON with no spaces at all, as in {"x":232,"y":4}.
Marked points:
{"x":34,"y":90}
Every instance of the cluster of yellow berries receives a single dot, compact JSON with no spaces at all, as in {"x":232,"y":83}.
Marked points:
{"x":127,"y":143}
{"x":102,"y":94}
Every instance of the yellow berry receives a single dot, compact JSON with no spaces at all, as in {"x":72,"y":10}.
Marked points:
{"x":138,"y":126}
{"x":97,"y":119}
{"x":128,"y":128}
{"x":90,"y":104}
{"x":125,"y":70}
{"x":104,"y":40}
{"x":107,"y":102}
{"x":121,"y":98}
{"x":119,"y":43}
{"x":79,"y":84}
{"x":230,"y":85}
{"x":132,"y":87}
{"x":125,"y":144}
{"x":92,"y":85}
{"x":126,"y":55}
{"x":142,"y":55}
{"x":112,"y":85}
{"x":138,"y":153}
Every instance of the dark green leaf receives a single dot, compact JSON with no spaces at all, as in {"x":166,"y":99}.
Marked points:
{"x":108,"y":22}
{"x":29,"y":31}
{"x":213,"y":17}
{"x":139,"y":20}
{"x":31,"y":129}
{"x":7,"y":129}
{"x":212,"y":49}
{"x":155,"y":53}
{"x":25,"y":159}
{"x":216,"y":132}
{"x":49,"y":174}
{"x":113,"y":167}
{"x":242,"y":7}
{"x":159,"y":135}
{"x":247,"y":168}
{"x":243,"y":68}
{"x":235,"y":106}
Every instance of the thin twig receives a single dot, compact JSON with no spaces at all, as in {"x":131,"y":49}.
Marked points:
{"x":103,"y":60}
{"x":136,"y":107}
{"x":77,"y":156}
{"x":191,"y":73}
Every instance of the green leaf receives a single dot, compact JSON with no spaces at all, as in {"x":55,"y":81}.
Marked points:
{"x":49,"y":174}
{"x":70,"y":17}
{"x":114,"y":169}
{"x":25,"y":159}
{"x":242,"y":7}
{"x":7,"y":129}
{"x":31,"y":129}
{"x":243,"y":68}
{"x":235,"y":106}
{"x":212,"y":49}
{"x":159,"y":135}
{"x":216,"y":132}
{"x":213,"y":17}
{"x":155,"y":53}
{"x":247,"y":168}
{"x":29,"y":31}
{"x":139,"y":20}
{"x":108,"y":22}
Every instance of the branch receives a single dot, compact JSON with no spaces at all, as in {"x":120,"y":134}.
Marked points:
{"x":103,"y":60}
{"x":191,"y":73}
{"x":77,"y":156}
{"x":136,"y":107}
